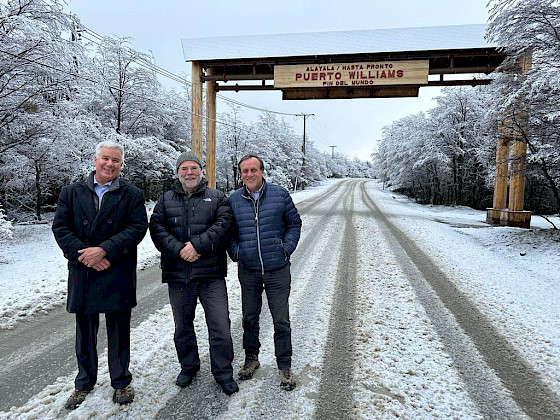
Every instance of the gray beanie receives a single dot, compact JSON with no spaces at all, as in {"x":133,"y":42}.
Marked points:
{"x":187,"y":156}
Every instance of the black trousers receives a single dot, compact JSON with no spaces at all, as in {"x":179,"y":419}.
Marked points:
{"x":118,"y":341}
{"x":276,"y":284}
{"x":213,"y":298}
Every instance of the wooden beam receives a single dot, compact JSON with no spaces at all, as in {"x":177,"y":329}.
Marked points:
{"x":196,"y":109}
{"x":211,"y":132}
{"x":233,"y":77}
{"x":238,"y":88}
{"x":463,"y":70}
{"x":349,"y":93}
{"x":472,"y":82}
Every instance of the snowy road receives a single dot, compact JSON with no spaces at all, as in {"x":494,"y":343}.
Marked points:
{"x":384,"y":326}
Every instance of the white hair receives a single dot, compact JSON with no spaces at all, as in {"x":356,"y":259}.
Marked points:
{"x":109,"y":144}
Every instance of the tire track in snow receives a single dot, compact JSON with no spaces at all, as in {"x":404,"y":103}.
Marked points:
{"x":335,"y":394}
{"x":483,"y":346}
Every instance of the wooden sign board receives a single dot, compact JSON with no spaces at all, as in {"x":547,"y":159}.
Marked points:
{"x":375,"y":73}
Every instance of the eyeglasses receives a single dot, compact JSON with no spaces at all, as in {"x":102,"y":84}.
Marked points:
{"x":194,"y":168}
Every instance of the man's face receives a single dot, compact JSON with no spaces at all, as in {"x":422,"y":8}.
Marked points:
{"x":108,"y":164}
{"x":190,"y":175}
{"x":251,"y":174}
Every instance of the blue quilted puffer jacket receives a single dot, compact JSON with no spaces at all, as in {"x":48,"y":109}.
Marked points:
{"x":265,"y":232}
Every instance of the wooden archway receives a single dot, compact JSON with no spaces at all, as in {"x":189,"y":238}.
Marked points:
{"x":427,"y":67}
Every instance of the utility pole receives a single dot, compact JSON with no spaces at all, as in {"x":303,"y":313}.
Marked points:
{"x":332,"y":151}
{"x":303,"y":144}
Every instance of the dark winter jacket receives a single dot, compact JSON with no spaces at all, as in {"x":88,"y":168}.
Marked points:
{"x":265,"y":232}
{"x":117,"y":227}
{"x":204,"y":219}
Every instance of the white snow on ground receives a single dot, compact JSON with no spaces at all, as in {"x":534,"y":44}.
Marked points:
{"x":511,"y":274}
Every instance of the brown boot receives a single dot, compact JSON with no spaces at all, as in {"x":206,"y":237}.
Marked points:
{"x":124,"y":395}
{"x":287,"y":380}
{"x":76,"y":399}
{"x":251,"y":364}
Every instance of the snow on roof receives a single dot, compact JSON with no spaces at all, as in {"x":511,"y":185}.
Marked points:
{"x":337,"y":42}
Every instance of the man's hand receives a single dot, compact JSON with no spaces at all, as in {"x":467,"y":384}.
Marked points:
{"x":104,"y":264}
{"x":188,"y":253}
{"x":91,"y":256}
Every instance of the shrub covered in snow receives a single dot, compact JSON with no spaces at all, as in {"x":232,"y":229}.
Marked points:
{"x":6,"y":227}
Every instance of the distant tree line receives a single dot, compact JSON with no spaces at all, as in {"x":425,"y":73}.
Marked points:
{"x":448,"y":156}
{"x":62,"y":92}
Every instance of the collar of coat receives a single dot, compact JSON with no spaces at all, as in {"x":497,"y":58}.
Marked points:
{"x":247,"y":194}
{"x":91,"y":180}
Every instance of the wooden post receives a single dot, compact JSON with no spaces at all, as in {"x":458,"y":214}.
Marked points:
{"x":493,"y":215}
{"x":196,"y":109}
{"x":519,"y":149}
{"x":518,"y":169}
{"x":211,"y":130}
{"x":502,"y":160}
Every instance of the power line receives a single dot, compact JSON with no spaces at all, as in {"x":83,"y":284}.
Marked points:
{"x":83,"y":30}
{"x":79,"y":76}
{"x":179,"y":79}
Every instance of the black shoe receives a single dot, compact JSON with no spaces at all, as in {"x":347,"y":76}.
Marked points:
{"x":229,"y":386}
{"x":186,"y":377}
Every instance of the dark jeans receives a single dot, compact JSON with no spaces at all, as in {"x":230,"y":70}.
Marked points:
{"x":276,"y":284}
{"x":118,"y":341}
{"x":213,"y":297}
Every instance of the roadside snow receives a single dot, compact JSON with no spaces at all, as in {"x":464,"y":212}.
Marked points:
{"x":401,"y":367}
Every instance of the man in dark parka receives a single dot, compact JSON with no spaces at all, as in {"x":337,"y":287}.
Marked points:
{"x":98,"y":224}
{"x":190,"y":225}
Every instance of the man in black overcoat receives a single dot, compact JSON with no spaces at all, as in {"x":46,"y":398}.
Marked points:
{"x":98,"y":224}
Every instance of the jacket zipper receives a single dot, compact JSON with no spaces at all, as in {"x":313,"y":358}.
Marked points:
{"x":258,"y":234}
{"x":256,"y":209}
{"x":189,"y":268}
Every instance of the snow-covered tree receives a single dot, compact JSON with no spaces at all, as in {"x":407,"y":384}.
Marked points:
{"x":128,"y":96}
{"x":37,"y":67}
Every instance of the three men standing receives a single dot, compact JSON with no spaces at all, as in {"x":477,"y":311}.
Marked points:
{"x":100,"y":221}
{"x":98,"y":224}
{"x":190,"y":225}
{"x":265,"y":233}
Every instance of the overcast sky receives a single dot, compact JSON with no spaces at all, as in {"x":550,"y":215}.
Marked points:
{"x":352,"y":125}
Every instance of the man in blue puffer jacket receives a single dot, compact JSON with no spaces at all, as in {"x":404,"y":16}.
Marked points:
{"x":265,"y":233}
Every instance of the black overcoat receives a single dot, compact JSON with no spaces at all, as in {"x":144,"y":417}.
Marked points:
{"x":117,"y":227}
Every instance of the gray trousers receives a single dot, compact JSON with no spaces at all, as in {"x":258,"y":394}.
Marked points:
{"x":277,"y":285}
{"x":213,"y":298}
